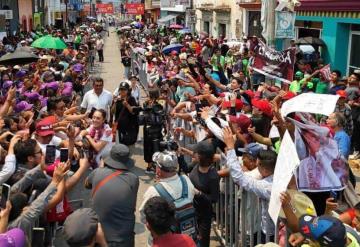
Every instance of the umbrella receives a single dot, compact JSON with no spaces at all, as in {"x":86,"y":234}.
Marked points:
{"x":49,"y":42}
{"x":310,"y":41}
{"x":138,"y":25}
{"x":125,"y":28}
{"x":307,"y":49}
{"x":18,"y":57}
{"x":173,"y":47}
{"x":176,"y":26}
{"x":185,"y":30}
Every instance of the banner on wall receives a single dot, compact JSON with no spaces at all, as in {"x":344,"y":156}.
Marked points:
{"x":285,"y":24}
{"x":104,"y":8}
{"x":135,"y":8}
{"x":174,"y":3}
{"x":275,"y":64}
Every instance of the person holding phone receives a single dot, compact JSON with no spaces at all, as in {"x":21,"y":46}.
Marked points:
{"x":125,"y":115}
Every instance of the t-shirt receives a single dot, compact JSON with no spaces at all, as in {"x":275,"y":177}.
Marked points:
{"x":56,"y":141}
{"x":344,"y":143}
{"x":208,"y":185}
{"x":172,"y":239}
{"x":214,"y":62}
{"x":115,"y":204}
{"x":322,"y":87}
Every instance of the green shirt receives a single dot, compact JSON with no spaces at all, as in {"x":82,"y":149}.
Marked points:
{"x":214,"y":62}
{"x":322,"y":87}
{"x":296,"y":86}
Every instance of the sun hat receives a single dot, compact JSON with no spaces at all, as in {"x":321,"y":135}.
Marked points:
{"x":119,"y":157}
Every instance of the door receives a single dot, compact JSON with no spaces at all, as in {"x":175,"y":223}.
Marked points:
{"x":354,"y":51}
{"x":222,"y":30}
{"x":206,"y":27}
{"x":254,"y":24}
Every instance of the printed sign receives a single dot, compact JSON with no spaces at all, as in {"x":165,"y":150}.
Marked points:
{"x":104,"y":8}
{"x":273,"y":63}
{"x":135,"y":8}
{"x":286,"y":163}
{"x":285,"y":24}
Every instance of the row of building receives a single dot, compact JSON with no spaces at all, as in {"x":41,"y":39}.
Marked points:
{"x":336,"y":22}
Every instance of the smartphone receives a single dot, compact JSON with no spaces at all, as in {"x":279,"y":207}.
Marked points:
{"x":9,"y":137}
{"x":50,"y":154}
{"x":198,"y":107}
{"x":5,"y":193}
{"x":64,"y":154}
{"x":17,"y":94}
{"x":334,"y":194}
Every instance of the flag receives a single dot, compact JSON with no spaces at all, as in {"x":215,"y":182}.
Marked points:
{"x":326,"y":72}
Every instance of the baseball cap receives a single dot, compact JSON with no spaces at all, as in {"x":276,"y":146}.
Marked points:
{"x":262,"y":105}
{"x":342,"y":93}
{"x":80,"y":227}
{"x":78,"y":67}
{"x":299,"y":74}
{"x":301,"y":204}
{"x":252,"y":149}
{"x":326,"y":230}
{"x":238,"y":104}
{"x":52,"y":85}
{"x":23,"y":106}
{"x":45,"y":127}
{"x":124,"y":85}
{"x":204,"y":148}
{"x":242,"y":121}
{"x":181,"y":76}
{"x":166,"y":160}
{"x":32,"y":96}
{"x":13,"y":238}
{"x":7,"y":84}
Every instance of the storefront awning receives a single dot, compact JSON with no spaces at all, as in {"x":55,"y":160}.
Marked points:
{"x":166,"y":19}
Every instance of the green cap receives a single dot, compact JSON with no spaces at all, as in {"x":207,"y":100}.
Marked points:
{"x":299,"y":74}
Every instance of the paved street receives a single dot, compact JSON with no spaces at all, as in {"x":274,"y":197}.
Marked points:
{"x":111,"y":70}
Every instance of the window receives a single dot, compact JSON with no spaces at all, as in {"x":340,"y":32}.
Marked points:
{"x":206,"y":27}
{"x":354,"y":51}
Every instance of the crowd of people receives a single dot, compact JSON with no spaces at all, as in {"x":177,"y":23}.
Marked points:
{"x":208,"y":116}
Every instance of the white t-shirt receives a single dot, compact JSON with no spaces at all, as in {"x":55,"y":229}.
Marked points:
{"x":56,"y":141}
{"x":103,"y":101}
{"x":106,"y":137}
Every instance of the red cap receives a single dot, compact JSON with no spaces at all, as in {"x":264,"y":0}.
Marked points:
{"x":174,"y":52}
{"x":262,"y":105}
{"x":238,"y":104}
{"x":288,"y":95}
{"x":45,"y":127}
{"x":183,"y":49}
{"x":242,"y":121}
{"x":250,"y":93}
{"x":341,"y":93}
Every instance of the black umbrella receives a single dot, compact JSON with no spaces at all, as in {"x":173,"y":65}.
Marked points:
{"x":310,"y":41}
{"x":18,"y":57}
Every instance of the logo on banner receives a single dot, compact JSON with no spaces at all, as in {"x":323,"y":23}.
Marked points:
{"x":285,"y":24}
{"x":275,"y":64}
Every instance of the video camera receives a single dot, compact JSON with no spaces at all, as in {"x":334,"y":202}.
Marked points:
{"x":160,"y":145}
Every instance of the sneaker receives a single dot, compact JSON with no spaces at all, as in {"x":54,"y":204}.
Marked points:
{"x":150,"y":170}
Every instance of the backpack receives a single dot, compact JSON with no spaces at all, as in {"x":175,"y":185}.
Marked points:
{"x":185,"y":217}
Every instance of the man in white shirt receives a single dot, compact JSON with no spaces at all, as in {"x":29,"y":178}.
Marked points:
{"x":98,"y":98}
{"x":100,"y":48}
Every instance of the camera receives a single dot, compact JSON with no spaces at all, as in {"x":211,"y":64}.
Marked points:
{"x":160,"y":146}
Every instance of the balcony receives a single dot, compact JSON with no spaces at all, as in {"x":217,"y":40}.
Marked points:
{"x":249,"y":4}
{"x":155,"y":4}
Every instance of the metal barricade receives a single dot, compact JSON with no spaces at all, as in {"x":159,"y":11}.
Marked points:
{"x":238,"y":217}
{"x":138,"y":67}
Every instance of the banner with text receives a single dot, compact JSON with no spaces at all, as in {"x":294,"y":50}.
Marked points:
{"x":275,"y":64}
{"x":104,"y":8}
{"x":135,"y":8}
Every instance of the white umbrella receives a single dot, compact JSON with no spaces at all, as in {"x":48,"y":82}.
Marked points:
{"x":307,"y":49}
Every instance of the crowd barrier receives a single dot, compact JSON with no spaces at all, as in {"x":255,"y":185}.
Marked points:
{"x":238,"y":212}
{"x":138,"y":67}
